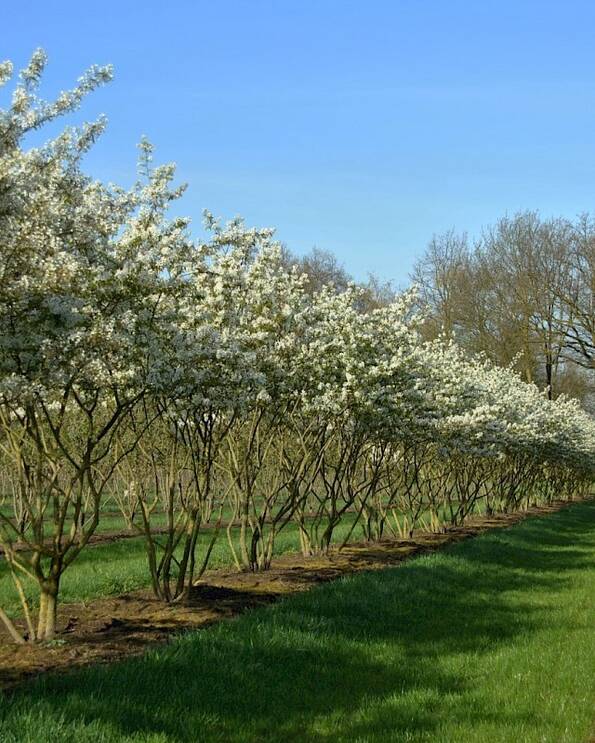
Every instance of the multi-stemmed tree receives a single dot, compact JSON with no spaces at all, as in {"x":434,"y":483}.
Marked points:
{"x":83,"y":272}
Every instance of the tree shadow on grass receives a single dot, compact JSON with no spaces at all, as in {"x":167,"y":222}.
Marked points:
{"x":361,"y":658}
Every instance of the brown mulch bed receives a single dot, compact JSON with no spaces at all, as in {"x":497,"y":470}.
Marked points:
{"x":111,"y":628}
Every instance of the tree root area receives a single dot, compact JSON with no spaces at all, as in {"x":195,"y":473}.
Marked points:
{"x":108,"y":629}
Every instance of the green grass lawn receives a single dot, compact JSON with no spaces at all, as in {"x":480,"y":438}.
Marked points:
{"x":490,"y":640}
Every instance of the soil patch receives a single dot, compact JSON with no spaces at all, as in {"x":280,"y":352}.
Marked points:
{"x":111,"y":628}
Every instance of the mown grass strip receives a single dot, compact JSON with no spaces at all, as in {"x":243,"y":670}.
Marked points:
{"x":492,"y":639}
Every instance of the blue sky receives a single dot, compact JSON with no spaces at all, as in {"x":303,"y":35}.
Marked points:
{"x":358,"y":127}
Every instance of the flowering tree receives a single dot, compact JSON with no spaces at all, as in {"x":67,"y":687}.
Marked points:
{"x":81,"y":281}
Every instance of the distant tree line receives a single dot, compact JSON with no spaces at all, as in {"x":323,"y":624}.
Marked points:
{"x":523,"y":294}
{"x":322,"y":269}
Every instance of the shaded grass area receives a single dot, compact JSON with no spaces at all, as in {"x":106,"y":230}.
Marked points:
{"x":492,"y":639}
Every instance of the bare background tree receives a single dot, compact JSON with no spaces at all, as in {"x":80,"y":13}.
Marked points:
{"x":523,"y":294}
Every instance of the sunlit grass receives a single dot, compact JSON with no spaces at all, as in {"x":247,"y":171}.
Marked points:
{"x":118,"y":567}
{"x":490,"y":640}
{"x":121,"y":566}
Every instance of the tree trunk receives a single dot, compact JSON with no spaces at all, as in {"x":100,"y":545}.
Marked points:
{"x":549,"y":377}
{"x":48,"y":606}
{"x":12,"y":630}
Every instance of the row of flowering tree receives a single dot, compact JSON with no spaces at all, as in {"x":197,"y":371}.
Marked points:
{"x":199,"y":388}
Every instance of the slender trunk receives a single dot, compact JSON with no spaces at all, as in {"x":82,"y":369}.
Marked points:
{"x":51,"y":614}
{"x":12,"y":630}
{"x":549,"y":378}
{"x":189,"y":547}
{"x":244,"y":534}
{"x":41,"y":618}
